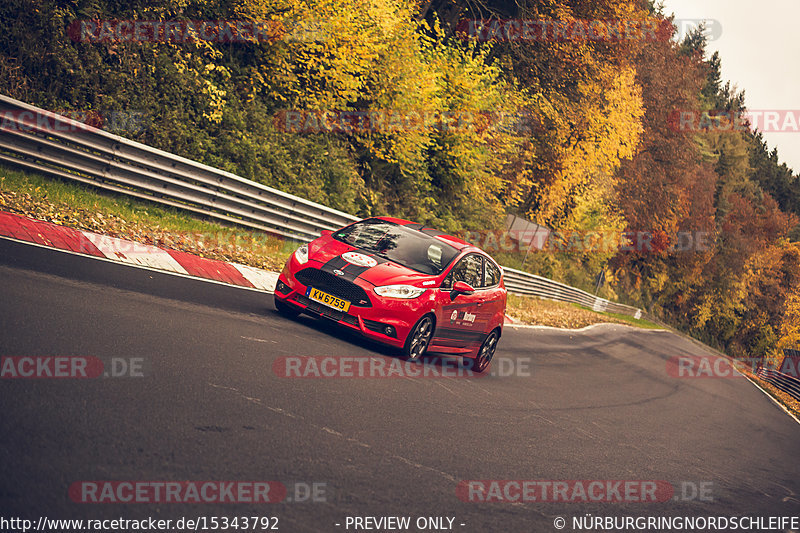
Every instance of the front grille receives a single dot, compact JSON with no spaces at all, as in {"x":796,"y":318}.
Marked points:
{"x":350,"y":319}
{"x":324,"y":310}
{"x":341,"y":288}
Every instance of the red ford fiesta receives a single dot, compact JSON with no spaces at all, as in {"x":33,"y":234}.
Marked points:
{"x":402,"y":284}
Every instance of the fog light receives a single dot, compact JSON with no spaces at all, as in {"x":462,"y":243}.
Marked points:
{"x":389,"y":331}
{"x":281,"y":287}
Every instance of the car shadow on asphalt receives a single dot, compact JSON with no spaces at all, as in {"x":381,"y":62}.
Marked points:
{"x":345,"y":334}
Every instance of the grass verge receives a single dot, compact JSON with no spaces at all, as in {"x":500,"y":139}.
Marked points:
{"x":538,"y":312}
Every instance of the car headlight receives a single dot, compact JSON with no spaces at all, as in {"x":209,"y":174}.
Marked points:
{"x":301,"y":254}
{"x":398,"y":291}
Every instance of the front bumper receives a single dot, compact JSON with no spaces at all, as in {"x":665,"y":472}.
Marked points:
{"x":387,"y":320}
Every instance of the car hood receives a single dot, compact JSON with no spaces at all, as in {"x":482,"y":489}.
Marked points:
{"x":352,"y":263}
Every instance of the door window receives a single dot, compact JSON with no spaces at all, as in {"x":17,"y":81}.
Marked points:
{"x":469,"y":270}
{"x":491,"y":274}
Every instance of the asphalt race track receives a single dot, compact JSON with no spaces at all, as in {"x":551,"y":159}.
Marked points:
{"x":592,"y":405}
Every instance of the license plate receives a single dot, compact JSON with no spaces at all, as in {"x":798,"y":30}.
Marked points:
{"x":328,"y":299}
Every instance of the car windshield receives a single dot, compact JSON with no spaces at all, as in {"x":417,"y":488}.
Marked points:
{"x":407,"y":247}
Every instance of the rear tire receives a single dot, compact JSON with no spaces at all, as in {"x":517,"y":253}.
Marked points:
{"x":285,"y":309}
{"x":419,"y":339}
{"x":486,"y":352}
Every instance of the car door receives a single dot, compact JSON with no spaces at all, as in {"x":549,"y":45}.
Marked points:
{"x":494,"y":304}
{"x":461,"y":318}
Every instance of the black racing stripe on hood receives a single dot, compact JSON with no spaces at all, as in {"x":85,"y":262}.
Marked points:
{"x":351,"y":271}
{"x":337,"y":263}
{"x":355,"y":270}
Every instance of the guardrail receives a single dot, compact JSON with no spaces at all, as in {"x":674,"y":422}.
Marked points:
{"x":521,"y":282}
{"x":51,"y":144}
{"x":788,"y":384}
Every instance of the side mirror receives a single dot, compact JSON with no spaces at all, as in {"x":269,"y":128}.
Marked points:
{"x":325,"y":233}
{"x":462,"y":288}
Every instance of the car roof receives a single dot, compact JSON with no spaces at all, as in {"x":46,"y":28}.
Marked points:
{"x":455,"y":241}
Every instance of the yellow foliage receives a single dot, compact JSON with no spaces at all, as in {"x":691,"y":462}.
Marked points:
{"x":790,"y":329}
{"x":610,"y":119}
{"x":790,"y":324}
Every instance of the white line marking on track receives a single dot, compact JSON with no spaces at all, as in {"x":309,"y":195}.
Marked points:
{"x":333,"y":432}
{"x":445,"y":387}
{"x":258,"y":340}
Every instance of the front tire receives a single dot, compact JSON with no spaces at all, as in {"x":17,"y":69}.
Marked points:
{"x":419,"y":339}
{"x":484,"y":358}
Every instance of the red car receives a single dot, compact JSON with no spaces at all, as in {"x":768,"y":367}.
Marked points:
{"x":401,"y":284}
